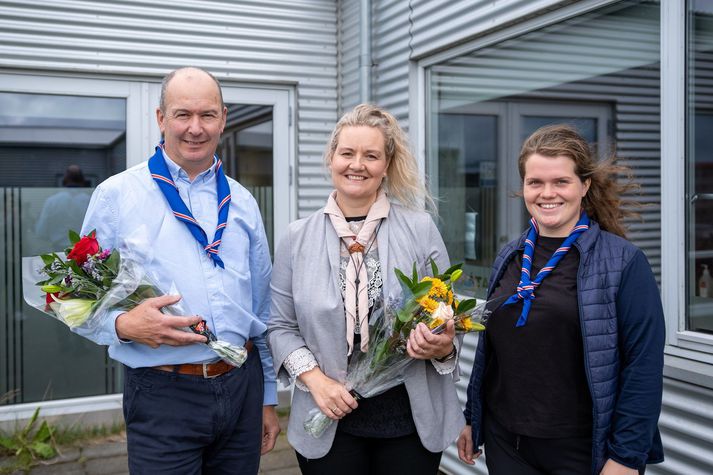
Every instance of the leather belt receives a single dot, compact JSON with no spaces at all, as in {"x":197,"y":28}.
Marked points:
{"x":206,"y":370}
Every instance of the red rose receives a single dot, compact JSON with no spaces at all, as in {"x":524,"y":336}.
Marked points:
{"x":87,"y":246}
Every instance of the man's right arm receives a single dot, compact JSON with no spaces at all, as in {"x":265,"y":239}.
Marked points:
{"x":144,"y":323}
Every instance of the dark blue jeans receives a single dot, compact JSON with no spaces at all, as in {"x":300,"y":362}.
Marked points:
{"x":181,"y":424}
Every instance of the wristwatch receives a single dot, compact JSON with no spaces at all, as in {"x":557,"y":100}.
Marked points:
{"x":448,"y":357}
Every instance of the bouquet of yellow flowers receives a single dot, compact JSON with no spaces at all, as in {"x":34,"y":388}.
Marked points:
{"x":430,"y":300}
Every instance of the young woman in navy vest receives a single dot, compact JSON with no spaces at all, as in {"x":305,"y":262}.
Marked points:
{"x":567,"y":378}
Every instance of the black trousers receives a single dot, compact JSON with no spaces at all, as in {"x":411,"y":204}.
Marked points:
{"x":352,"y":455}
{"x":507,"y":453}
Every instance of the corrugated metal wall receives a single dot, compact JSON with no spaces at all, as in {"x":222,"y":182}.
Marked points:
{"x":258,"y":41}
{"x":391,"y":28}
{"x":349,"y":23}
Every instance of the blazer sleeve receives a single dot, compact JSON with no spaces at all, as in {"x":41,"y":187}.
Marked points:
{"x":283,"y":334}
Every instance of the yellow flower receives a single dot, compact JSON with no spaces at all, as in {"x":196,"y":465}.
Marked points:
{"x":435,"y":322}
{"x":468,"y":325}
{"x":439,"y":290}
{"x":428,"y":303}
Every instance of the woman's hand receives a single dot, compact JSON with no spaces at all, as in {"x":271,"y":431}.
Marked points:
{"x":465,"y":446}
{"x":615,"y":468}
{"x":424,"y":345}
{"x":331,"y":396}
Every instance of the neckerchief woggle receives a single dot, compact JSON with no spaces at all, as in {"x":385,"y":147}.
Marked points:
{"x":161,"y":175}
{"x":526,"y":287}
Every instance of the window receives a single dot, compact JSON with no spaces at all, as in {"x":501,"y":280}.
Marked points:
{"x":598,"y":71}
{"x":58,"y":139}
{"x":52,"y":127}
{"x":699,"y":190}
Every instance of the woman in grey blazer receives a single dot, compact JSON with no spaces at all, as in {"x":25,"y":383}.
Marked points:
{"x":329,"y":269}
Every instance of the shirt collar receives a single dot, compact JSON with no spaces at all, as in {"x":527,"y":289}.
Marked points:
{"x":178,"y":173}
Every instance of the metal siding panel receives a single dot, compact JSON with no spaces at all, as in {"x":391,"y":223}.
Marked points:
{"x":438,"y":24}
{"x":349,"y":54}
{"x":262,"y":41}
{"x":392,"y":50}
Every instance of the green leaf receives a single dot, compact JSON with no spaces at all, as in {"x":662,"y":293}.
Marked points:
{"x":404,"y":280}
{"x":452,"y":269}
{"x":414,"y":273}
{"x":466,"y":305}
{"x":30,"y":424}
{"x":421,"y":289}
{"x":44,"y":433}
{"x":47,"y":259}
{"x":8,"y":443}
{"x":74,"y":237}
{"x":434,"y":267}
{"x":43,"y":450}
{"x":113,"y":261}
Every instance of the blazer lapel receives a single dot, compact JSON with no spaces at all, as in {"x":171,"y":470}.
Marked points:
{"x":333,"y":250}
{"x":382,"y":240}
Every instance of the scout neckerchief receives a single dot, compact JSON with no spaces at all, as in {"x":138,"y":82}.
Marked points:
{"x":526,"y":287}
{"x":160,"y":174}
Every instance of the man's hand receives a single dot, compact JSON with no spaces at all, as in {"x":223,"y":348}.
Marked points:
{"x":146,"y":324}
{"x":331,"y":396}
{"x":270,"y":429}
{"x":465,"y":447}
{"x":615,"y":468}
{"x":424,"y":345}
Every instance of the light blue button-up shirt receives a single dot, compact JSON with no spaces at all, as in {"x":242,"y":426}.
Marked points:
{"x":129,"y":213}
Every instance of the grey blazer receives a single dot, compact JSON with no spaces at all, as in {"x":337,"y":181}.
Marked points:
{"x":307,"y":310}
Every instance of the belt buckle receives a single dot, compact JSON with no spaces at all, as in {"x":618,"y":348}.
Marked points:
{"x":205,"y":372}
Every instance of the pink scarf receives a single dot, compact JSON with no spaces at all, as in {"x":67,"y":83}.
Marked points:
{"x":356,"y":245}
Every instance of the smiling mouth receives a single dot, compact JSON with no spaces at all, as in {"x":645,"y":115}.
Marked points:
{"x":356,"y":178}
{"x":192,"y":142}
{"x":549,"y":205}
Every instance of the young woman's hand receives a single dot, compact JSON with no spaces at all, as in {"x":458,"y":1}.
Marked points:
{"x":465,"y":446}
{"x":615,"y":468}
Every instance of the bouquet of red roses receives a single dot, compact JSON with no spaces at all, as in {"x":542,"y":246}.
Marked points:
{"x":82,"y":289}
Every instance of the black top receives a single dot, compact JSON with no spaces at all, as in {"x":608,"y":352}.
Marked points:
{"x":535,"y":383}
{"x":385,"y":415}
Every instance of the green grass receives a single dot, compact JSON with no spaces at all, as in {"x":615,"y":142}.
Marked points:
{"x":20,"y":447}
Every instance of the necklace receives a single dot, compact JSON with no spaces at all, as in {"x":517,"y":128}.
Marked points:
{"x":357,"y":247}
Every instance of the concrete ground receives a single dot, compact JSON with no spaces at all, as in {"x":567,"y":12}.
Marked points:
{"x":108,"y":457}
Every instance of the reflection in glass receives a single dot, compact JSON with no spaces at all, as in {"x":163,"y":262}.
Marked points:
{"x":52,"y":149}
{"x":700,"y":167}
{"x":598,"y":71}
{"x":246,"y":150}
{"x":467,"y":157}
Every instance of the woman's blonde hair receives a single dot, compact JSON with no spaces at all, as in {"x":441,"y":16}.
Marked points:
{"x":402,"y":180}
{"x":603,"y":202}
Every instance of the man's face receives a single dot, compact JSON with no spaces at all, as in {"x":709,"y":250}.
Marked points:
{"x":193,"y":119}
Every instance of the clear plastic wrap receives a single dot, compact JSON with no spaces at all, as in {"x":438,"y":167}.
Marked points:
{"x":428,"y":300}
{"x":85,"y":285}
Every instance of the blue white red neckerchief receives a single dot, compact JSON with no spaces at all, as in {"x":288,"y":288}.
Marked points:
{"x":161,"y":175}
{"x":526,"y":287}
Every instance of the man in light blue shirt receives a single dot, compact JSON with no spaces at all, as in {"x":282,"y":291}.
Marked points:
{"x":202,"y":237}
